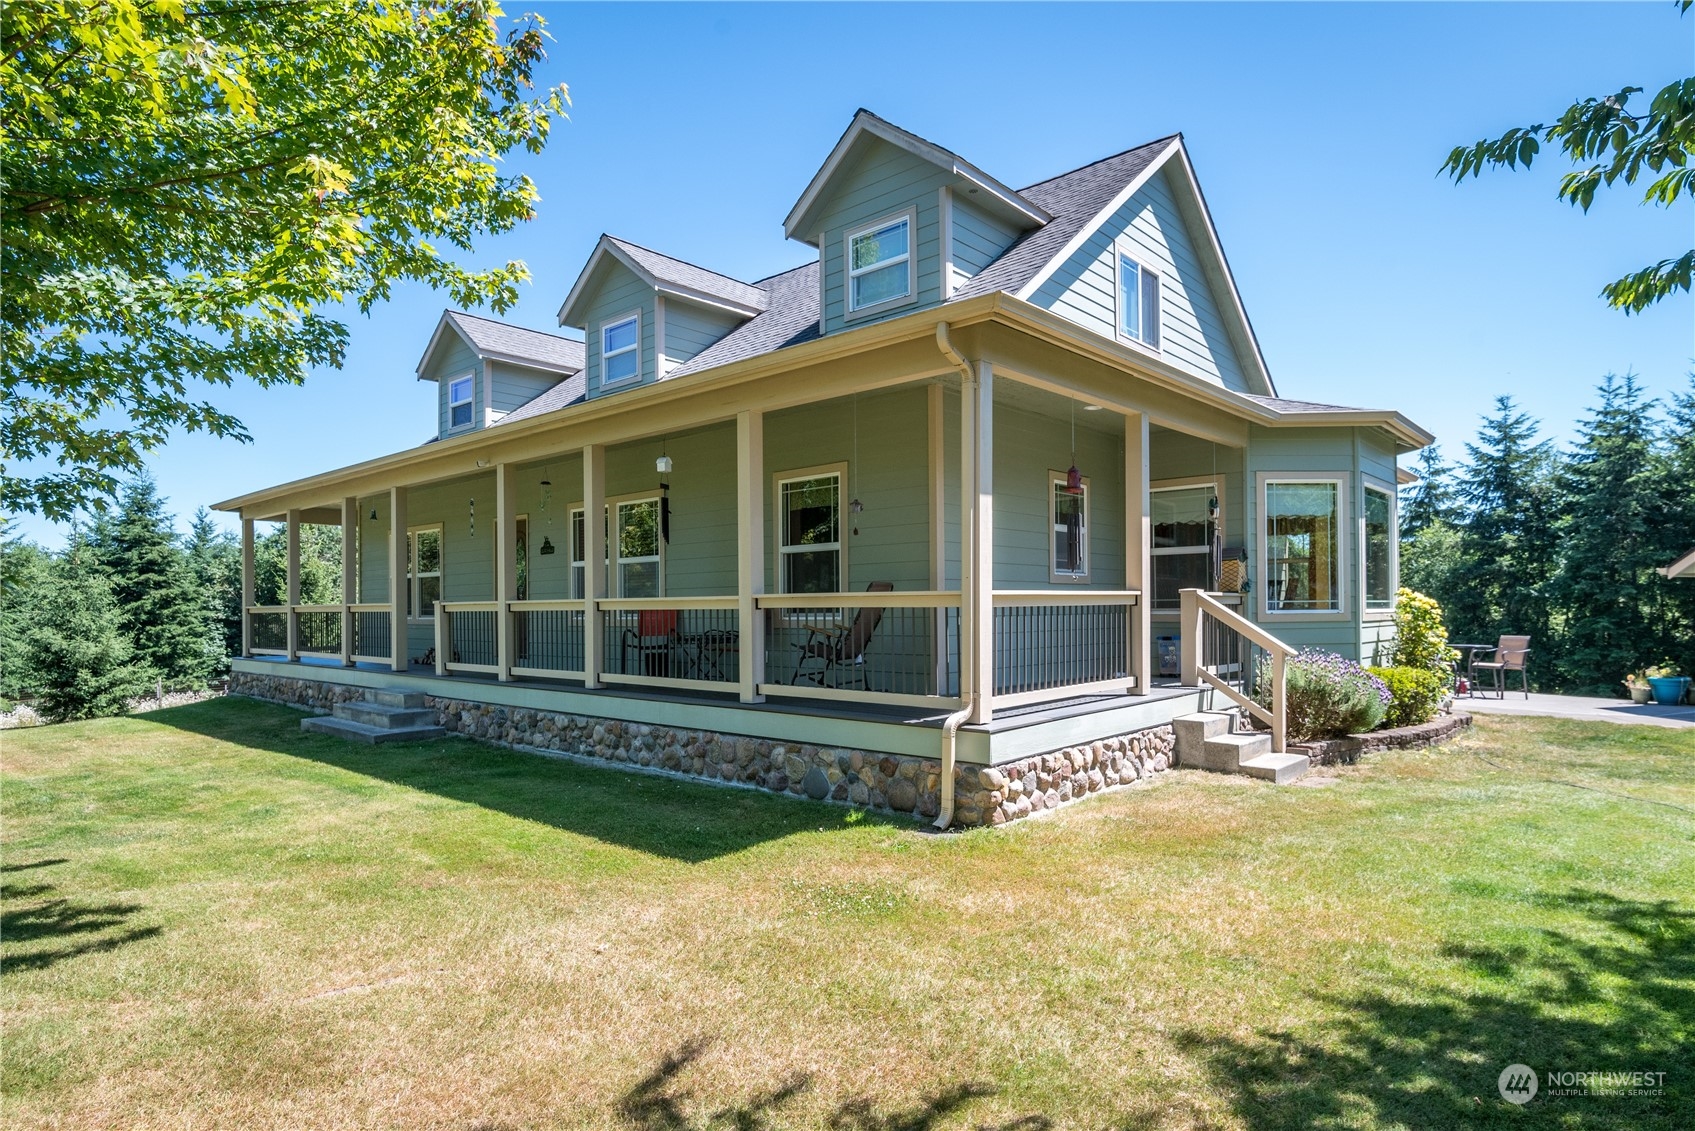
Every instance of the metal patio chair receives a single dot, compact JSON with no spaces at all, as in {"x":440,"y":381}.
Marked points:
{"x":1510,"y":654}
{"x":653,"y":640}
{"x":836,"y":647}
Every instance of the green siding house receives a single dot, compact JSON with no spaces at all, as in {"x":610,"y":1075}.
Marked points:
{"x":956,"y":518}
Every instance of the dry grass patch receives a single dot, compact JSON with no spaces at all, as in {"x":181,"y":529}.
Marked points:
{"x":212,"y":919}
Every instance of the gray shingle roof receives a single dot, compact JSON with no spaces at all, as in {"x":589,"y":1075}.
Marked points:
{"x":679,"y":273}
{"x":530,"y":347}
{"x":1282,"y":405}
{"x":790,"y":317}
{"x":1074,"y":199}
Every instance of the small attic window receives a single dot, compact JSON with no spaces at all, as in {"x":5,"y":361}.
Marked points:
{"x":1138,"y":301}
{"x":880,"y":263}
{"x":459,"y":394}
{"x":620,"y":359}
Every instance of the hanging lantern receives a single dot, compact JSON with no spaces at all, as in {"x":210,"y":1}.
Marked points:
{"x":662,"y":465}
{"x":373,"y":514}
{"x":1073,"y":481}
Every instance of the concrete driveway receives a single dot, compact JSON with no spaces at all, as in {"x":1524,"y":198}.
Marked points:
{"x":1579,"y":707}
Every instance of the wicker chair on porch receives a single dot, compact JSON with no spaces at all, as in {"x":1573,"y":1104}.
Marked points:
{"x":1508,"y":655}
{"x":839,"y":647}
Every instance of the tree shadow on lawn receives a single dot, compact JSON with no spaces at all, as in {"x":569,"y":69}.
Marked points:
{"x":63,"y":922}
{"x":1617,"y":995}
{"x":664,"y":816}
{"x":659,"y":1102}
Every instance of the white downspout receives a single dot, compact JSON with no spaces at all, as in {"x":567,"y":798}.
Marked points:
{"x":950,"y":728}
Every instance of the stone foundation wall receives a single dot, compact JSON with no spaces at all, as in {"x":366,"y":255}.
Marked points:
{"x":888,"y":782}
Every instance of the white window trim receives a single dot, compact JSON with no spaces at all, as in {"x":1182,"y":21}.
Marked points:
{"x":1262,"y":578}
{"x":1370,"y":611}
{"x":840,"y":471}
{"x":1185,"y":483}
{"x":1055,"y":575}
{"x":910,"y":215}
{"x":414,"y":617}
{"x":1123,"y":249}
{"x":614,"y":576}
{"x":612,"y":323}
{"x":470,"y":399}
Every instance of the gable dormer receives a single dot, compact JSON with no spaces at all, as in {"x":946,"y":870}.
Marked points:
{"x":643,"y":314}
{"x":485,"y":369}
{"x":898,"y":222}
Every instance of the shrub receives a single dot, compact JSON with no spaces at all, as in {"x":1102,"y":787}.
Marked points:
{"x":1421,"y":641}
{"x":1328,"y":696}
{"x":1415,"y":694}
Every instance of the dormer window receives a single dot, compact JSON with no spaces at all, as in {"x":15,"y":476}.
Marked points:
{"x":1138,"y":301}
{"x":459,"y":394}
{"x":880,"y":263}
{"x":620,"y":354}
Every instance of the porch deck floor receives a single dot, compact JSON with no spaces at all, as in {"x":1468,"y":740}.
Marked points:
{"x":1008,"y":719}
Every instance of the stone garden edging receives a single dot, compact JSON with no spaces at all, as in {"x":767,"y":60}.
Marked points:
{"x":1330,"y":751}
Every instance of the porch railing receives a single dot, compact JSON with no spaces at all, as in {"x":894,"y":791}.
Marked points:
{"x":910,"y":658}
{"x":317,"y":629}
{"x":467,"y":636}
{"x":1061,"y":644}
{"x":267,"y":630}
{"x":371,"y":636}
{"x":547,"y":639}
{"x":1223,"y":650}
{"x":690,"y":643}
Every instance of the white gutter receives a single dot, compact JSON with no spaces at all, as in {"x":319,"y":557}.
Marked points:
{"x":968,"y":696}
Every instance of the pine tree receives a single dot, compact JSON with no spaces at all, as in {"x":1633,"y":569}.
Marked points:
{"x":160,"y":605}
{"x":75,"y":644}
{"x":1506,"y":546}
{"x":23,"y":575}
{"x":1430,"y":500}
{"x":215,"y":558}
{"x":1677,"y":468}
{"x":1612,"y":514}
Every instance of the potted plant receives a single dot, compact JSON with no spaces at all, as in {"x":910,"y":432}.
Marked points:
{"x":1668,"y":686}
{"x":1637,"y":684}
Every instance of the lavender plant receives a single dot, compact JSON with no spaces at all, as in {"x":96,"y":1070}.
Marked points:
{"x":1328,"y":696}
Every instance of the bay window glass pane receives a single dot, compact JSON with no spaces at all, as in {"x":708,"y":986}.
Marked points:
{"x":1070,"y":554}
{"x":1130,"y":295}
{"x":1379,"y":537}
{"x":1302,"y":547}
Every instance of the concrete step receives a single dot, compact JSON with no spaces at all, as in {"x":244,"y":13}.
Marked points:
{"x":1280,"y":769}
{"x":412,"y":699}
{"x":386,"y":718}
{"x":369,"y":735}
{"x":1227,"y":752}
{"x":1193,"y":730}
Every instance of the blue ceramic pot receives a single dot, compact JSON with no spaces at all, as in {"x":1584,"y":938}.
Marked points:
{"x":1669,"y":689}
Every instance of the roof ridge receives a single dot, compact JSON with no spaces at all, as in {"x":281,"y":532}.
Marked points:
{"x":1101,"y":161}
{"x":511,"y":325}
{"x":789,"y":271}
{"x":674,"y":259}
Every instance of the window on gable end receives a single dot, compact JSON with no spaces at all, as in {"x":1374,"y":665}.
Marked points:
{"x":620,"y":350}
{"x":1138,"y":300}
{"x":880,"y":263}
{"x":459,"y":395}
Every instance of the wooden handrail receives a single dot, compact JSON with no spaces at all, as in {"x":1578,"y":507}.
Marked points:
{"x":614,"y":604}
{"x":547,"y":606}
{"x":1197,"y":604}
{"x":877,"y":599}
{"x":1237,"y":621}
{"x":468,"y":606}
{"x":1065,"y":597}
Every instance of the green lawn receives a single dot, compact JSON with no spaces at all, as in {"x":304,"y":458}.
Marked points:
{"x":212,"y":920}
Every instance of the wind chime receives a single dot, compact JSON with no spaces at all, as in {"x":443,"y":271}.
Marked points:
{"x":1073,"y":477}
{"x":663,"y":465}
{"x":546,"y":495}
{"x":855,"y":507}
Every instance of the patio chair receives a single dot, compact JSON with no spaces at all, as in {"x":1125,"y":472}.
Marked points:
{"x":653,"y":641}
{"x":1509,"y":655}
{"x":834,"y":647}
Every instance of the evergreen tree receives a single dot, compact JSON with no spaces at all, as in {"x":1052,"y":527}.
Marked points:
{"x":320,"y":565}
{"x":161,"y":607}
{"x":1506,"y":560}
{"x":1430,"y":500}
{"x":1677,"y":467}
{"x":23,"y":575}
{"x":75,"y":645}
{"x":1430,"y":562}
{"x":215,"y":558}
{"x":1612,"y":514}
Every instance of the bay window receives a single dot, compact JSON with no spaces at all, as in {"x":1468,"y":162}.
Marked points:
{"x":1303,"y":523}
{"x":1379,"y":549}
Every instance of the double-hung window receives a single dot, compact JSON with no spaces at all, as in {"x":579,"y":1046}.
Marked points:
{"x":1068,"y":515}
{"x":880,"y":263}
{"x":459,"y":396}
{"x":1183,"y":526}
{"x":423,"y":571}
{"x":1303,"y":547}
{"x":1138,"y":300}
{"x":809,"y":546}
{"x":639,"y":563}
{"x":1379,"y":549}
{"x":620,"y":350}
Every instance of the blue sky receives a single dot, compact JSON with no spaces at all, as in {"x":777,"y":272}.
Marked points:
{"x":1316,"y":130}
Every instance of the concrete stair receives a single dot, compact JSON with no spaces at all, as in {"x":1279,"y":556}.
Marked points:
{"x":1207,"y":740}
{"x":383,"y":716}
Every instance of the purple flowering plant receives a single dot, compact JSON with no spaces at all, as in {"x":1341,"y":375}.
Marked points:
{"x":1328,"y":695}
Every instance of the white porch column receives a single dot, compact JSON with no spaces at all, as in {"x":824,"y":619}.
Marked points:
{"x":246,"y":587}
{"x":594,"y":559}
{"x":397,"y":645}
{"x":977,"y":538}
{"x":750,"y":550}
{"x":349,"y":574}
{"x":505,"y":564}
{"x":938,"y":529}
{"x":292,"y":597}
{"x":1138,"y":540}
